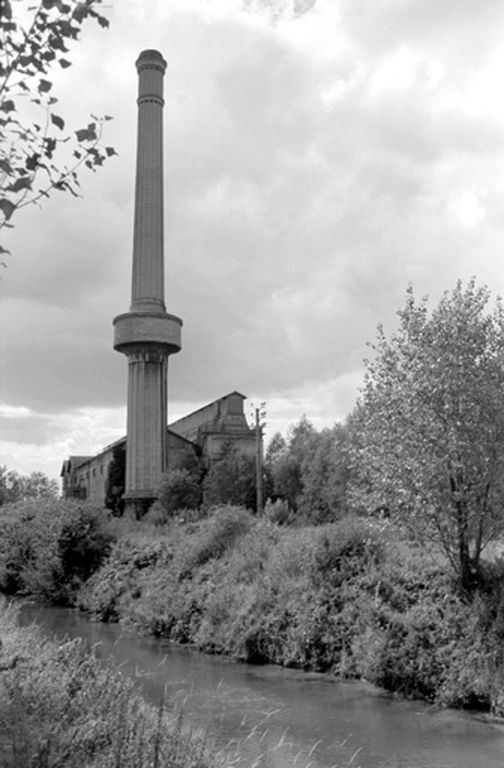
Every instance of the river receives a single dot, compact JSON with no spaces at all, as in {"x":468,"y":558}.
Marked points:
{"x":269,"y":717}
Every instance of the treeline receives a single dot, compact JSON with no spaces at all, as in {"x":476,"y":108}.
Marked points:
{"x":424,"y":446}
{"x":17,"y":487}
{"x":304,"y":478}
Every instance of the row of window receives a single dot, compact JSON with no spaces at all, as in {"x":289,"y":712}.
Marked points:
{"x":86,"y":476}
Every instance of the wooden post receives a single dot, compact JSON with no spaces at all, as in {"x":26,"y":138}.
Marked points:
{"x":259,"y":462}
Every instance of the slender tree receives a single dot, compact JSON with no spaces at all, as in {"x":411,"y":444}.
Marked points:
{"x":116,"y":477}
{"x":284,"y":460}
{"x":231,"y":480}
{"x":428,"y":432}
{"x":324,"y":474}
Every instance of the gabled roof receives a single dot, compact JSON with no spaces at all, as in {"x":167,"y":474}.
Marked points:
{"x":74,"y":462}
{"x":207,"y":405}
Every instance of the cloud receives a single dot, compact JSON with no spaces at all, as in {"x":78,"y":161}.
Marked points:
{"x":313,"y":168}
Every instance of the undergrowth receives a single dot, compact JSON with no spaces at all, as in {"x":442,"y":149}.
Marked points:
{"x":350,"y":598}
{"x":49,"y":548}
{"x":345,"y":598}
{"x":60,"y":706}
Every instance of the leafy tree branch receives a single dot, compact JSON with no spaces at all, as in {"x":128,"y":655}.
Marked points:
{"x":38,"y":154}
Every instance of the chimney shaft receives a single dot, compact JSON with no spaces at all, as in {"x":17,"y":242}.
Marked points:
{"x":147,"y":334}
{"x":147,"y":289}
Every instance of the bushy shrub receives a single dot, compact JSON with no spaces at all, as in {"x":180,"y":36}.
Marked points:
{"x":231,"y":480}
{"x":344,"y":549}
{"x":109,"y":593}
{"x":347,"y":597}
{"x":179,"y":489}
{"x":156,"y":515}
{"x":49,"y":548}
{"x":278,"y":512}
{"x":214,"y":536}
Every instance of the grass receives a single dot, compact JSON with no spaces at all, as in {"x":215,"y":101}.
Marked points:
{"x":60,"y":706}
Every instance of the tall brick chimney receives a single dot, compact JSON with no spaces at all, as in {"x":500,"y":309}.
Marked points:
{"x":147,"y":334}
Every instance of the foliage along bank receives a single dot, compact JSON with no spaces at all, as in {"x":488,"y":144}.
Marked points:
{"x":348,"y":598}
{"x":49,"y":548}
{"x":59,"y":706}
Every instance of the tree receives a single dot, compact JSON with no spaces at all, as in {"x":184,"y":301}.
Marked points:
{"x":285,"y":462}
{"x":276,"y":447}
{"x":179,"y":489}
{"x":324,"y":474}
{"x":116,"y":479}
{"x":231,"y":480}
{"x":15,"y":487}
{"x":37,"y":154}
{"x":428,"y":432}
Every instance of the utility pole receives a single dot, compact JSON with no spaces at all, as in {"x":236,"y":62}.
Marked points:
{"x":260,"y":413}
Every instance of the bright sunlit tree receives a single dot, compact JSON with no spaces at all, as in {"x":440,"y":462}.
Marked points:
{"x":428,"y":432}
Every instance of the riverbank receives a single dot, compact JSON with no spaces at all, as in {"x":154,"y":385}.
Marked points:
{"x":349,"y":598}
{"x":270,"y":716}
{"x":60,"y":706}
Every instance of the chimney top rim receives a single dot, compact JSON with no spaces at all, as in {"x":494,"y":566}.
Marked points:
{"x":150,"y":57}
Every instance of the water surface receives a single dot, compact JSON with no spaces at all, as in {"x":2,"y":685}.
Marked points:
{"x":271,"y":717}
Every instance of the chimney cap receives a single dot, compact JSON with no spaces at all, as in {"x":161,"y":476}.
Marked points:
{"x":150,"y":58}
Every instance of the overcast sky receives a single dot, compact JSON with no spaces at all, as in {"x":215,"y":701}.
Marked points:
{"x":314,"y":167}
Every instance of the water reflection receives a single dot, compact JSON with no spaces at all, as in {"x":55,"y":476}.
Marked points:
{"x":272,"y":718}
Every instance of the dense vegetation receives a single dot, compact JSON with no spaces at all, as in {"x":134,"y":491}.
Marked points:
{"x":16,"y":487}
{"x":49,"y":548}
{"x":370,"y":559}
{"x":59,"y":706}
{"x":347,"y":598}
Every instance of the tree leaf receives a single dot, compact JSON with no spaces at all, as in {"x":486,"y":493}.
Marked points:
{"x":7,"y":106}
{"x":6,"y":9}
{"x":5,"y":166}
{"x":64,"y":63}
{"x":7,"y":208}
{"x":57,"y":121}
{"x":82,"y":134}
{"x":87,"y":134}
{"x":33,"y":161}
{"x":49,"y":147}
{"x":44,"y":86}
{"x":110,"y":151}
{"x":23,"y":182}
